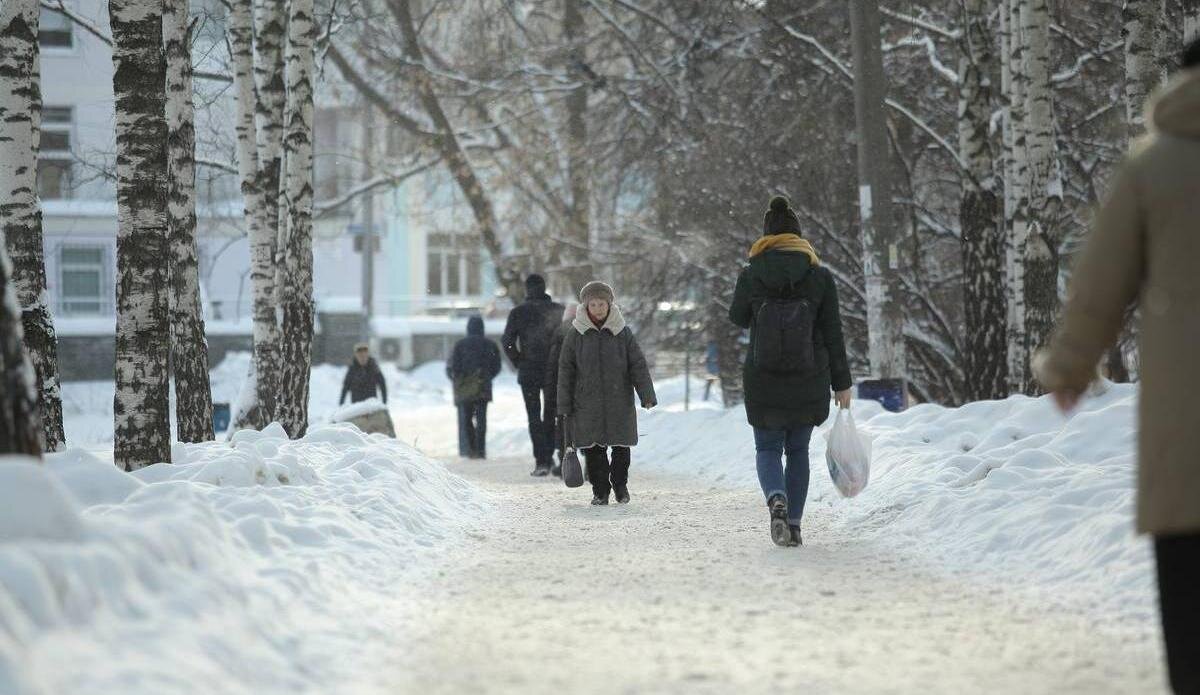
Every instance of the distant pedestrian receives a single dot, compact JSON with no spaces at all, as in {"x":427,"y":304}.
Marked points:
{"x":796,"y":358}
{"x":363,"y":379}
{"x":600,"y":369}
{"x":1144,"y":249}
{"x":527,"y":337}
{"x":552,"y":384}
{"x":473,"y":364}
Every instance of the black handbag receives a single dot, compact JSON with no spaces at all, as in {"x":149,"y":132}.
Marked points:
{"x":572,"y":468}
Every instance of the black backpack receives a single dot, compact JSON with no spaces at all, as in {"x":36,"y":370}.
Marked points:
{"x":783,"y":334}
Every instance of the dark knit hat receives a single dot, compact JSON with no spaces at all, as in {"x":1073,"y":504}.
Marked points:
{"x":780,"y":219}
{"x":535,"y":285}
{"x":597,"y":290}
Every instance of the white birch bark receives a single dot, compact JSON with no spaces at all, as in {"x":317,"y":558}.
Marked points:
{"x":20,"y":210}
{"x":1045,"y":184}
{"x":296,"y":298}
{"x":20,"y":429}
{"x":270,"y":32}
{"x":189,"y":346}
{"x":141,"y":407}
{"x":1140,"y":21}
{"x":1017,"y":195}
{"x":257,"y":410}
{"x":980,"y":216}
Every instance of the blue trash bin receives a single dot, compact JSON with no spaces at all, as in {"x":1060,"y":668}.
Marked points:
{"x":892,"y":394}
{"x":221,"y":417}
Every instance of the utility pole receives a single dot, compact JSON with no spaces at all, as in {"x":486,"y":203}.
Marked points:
{"x":1191,"y":21}
{"x":881,"y":257}
{"x":368,"y":222}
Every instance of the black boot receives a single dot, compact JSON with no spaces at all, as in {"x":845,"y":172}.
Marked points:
{"x":598,"y":501}
{"x":780,"y":533}
{"x":540,"y":471}
{"x":795,"y":540}
{"x":556,"y":470}
{"x":622,"y":494}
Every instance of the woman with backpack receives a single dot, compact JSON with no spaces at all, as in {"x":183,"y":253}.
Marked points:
{"x":600,"y":368}
{"x":797,"y":357}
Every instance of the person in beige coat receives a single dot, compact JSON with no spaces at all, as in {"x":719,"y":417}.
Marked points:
{"x":1146,"y":248}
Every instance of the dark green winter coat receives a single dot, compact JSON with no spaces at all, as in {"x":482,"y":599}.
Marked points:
{"x":599,"y":370}
{"x":786,"y":266}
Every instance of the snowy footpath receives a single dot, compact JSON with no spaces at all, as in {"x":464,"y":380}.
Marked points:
{"x":992,"y":552}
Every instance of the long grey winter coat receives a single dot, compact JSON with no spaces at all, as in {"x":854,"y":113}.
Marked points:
{"x":598,"y":372}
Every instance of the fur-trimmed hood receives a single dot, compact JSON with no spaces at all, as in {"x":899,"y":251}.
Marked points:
{"x":583,"y":323}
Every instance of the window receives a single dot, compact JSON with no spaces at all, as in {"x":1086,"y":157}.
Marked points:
{"x":82,"y":270}
{"x":54,"y":30}
{"x":451,"y":272}
{"x":54,"y":156}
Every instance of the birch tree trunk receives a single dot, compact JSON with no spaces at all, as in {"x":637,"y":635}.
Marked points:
{"x":189,"y":346}
{"x":579,"y":173}
{"x":254,"y":411}
{"x":1017,"y":197}
{"x":20,"y":429}
{"x":1045,"y":184}
{"x":20,"y":211}
{"x":141,"y":407}
{"x":297,"y":292}
{"x":270,"y":22}
{"x":980,"y":216}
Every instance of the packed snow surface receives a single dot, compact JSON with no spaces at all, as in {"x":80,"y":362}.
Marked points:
{"x":277,"y":566}
{"x":258,"y":565}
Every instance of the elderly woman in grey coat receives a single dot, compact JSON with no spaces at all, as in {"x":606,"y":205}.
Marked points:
{"x":600,"y":369}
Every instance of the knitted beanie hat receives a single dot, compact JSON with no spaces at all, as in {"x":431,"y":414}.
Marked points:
{"x":597,"y":290}
{"x":780,"y":219}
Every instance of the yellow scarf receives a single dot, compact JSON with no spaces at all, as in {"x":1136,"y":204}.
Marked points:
{"x":785,"y":242}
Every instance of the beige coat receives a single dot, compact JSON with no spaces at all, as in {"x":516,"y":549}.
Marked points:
{"x":1146,"y":247}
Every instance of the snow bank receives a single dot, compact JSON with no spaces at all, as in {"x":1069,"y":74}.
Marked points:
{"x":263,"y":564}
{"x":1010,"y":488}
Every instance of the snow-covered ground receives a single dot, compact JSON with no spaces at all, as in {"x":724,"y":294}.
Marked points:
{"x":274,"y":566}
{"x":260,"y":565}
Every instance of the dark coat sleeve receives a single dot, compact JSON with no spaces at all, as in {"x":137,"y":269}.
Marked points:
{"x":378,"y":376}
{"x":509,"y":339}
{"x":566,"y":374}
{"x":555,"y":353}
{"x":829,"y":321}
{"x":639,"y":373}
{"x":493,"y":361}
{"x":741,"y":313}
{"x":453,"y":364}
{"x":346,"y":384}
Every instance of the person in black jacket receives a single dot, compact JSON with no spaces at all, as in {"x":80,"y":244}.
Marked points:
{"x":473,"y":365}
{"x":364,"y":378}
{"x":527,"y":337}
{"x":785,"y":406}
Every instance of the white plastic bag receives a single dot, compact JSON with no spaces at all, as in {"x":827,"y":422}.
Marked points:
{"x":848,"y":455}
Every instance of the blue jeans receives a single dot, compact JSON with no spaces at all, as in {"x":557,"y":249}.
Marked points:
{"x":793,"y":485}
